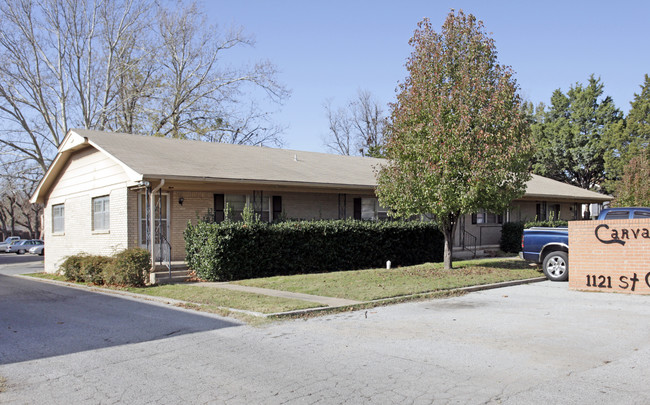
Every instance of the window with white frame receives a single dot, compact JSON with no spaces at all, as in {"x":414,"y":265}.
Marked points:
{"x":485,"y":217}
{"x":101,"y":213}
{"x":237,"y":202}
{"x":58,"y":218}
{"x":372,"y":210}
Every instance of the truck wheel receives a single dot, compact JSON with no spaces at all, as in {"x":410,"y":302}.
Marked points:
{"x":556,"y":266}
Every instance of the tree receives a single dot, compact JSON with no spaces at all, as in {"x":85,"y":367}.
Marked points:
{"x":572,"y":137}
{"x":60,"y":62}
{"x":458,"y":140}
{"x":630,"y":137}
{"x":633,"y":190}
{"x":198,"y":98}
{"x":127,"y":66}
{"x":357,"y":129}
{"x":16,"y":187}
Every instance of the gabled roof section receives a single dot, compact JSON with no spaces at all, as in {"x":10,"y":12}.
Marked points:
{"x":148,"y":157}
{"x":155,"y":157}
{"x":72,"y":143}
{"x":543,"y":188}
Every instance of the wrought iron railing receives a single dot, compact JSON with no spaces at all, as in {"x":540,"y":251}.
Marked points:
{"x":165,"y":254}
{"x":469,"y":243}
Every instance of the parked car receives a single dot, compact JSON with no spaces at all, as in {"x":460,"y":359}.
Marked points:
{"x":550,"y":246}
{"x":7,"y":242}
{"x":37,"y":250}
{"x":22,"y":246}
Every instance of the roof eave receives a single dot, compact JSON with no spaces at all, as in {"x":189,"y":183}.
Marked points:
{"x":573,"y":198}
{"x":263,"y":182}
{"x":71,"y":143}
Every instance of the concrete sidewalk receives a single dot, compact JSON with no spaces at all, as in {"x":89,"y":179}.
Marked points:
{"x":325,"y":301}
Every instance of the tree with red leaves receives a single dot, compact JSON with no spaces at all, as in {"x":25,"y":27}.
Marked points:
{"x":457,"y":139}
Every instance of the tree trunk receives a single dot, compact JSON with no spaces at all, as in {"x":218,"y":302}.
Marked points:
{"x":449,"y":245}
{"x":448,"y":227}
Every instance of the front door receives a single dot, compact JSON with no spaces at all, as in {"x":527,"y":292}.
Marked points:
{"x":161,"y":215}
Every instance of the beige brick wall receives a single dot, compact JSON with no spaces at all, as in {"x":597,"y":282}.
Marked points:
{"x":78,"y":236}
{"x":88,"y":174}
{"x":196,"y":204}
{"x":614,"y":266}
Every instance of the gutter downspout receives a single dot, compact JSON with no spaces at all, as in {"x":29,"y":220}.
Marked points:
{"x":152,"y":223}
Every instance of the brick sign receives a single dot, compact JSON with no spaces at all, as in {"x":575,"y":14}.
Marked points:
{"x":610,"y":256}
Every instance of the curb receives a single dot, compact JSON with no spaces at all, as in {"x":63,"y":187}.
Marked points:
{"x":301,"y":312}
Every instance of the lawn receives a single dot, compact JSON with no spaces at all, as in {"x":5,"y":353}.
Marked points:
{"x":359,"y":285}
{"x":217,"y":297}
{"x":365,"y":285}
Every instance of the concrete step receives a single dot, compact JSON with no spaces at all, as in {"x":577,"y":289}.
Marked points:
{"x":161,"y":274}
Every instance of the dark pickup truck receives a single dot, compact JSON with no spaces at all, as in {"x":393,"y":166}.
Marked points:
{"x":550,"y":246}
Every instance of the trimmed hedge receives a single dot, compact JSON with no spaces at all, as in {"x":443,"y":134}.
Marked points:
{"x":512,"y":231}
{"x":511,"y":237}
{"x":129,"y":267}
{"x":233,"y":251}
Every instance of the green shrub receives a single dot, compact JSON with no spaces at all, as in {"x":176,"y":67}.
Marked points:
{"x":512,"y":231}
{"x":548,"y":223}
{"x":129,"y":267}
{"x":511,"y":237}
{"x":72,"y":268}
{"x":92,"y":268}
{"x":230,"y":251}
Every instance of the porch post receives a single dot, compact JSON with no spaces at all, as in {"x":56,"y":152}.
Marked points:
{"x":152,"y":223}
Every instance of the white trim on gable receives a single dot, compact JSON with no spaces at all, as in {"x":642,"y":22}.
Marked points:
{"x":71,"y":143}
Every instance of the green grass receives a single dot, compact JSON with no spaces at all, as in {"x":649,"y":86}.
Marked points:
{"x":425,"y":281}
{"x":48,"y":276}
{"x":217,"y":297}
{"x":365,"y":285}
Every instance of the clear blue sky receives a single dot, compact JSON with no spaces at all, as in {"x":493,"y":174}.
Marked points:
{"x":329,"y":49}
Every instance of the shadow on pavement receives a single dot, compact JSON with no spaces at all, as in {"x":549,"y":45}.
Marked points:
{"x":39,"y":320}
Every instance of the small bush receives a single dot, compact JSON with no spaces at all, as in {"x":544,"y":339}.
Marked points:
{"x":511,"y":237}
{"x":548,"y":223}
{"x":129,"y":267}
{"x":72,"y":268}
{"x":92,"y":268}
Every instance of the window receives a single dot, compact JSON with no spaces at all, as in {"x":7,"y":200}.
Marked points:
{"x":58,"y":218}
{"x":236,"y":204}
{"x":554,"y":212}
{"x":641,"y":214}
{"x":101,"y":214}
{"x":277,"y":207}
{"x":370,"y":209}
{"x":267,"y":208}
{"x":617,"y":215}
{"x":484,"y":217}
{"x":540,"y":211}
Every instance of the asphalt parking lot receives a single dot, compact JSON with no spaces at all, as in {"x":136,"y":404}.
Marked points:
{"x":536,"y":344}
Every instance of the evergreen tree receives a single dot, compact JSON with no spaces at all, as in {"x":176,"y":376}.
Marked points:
{"x":629,"y":138}
{"x":572,"y":138}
